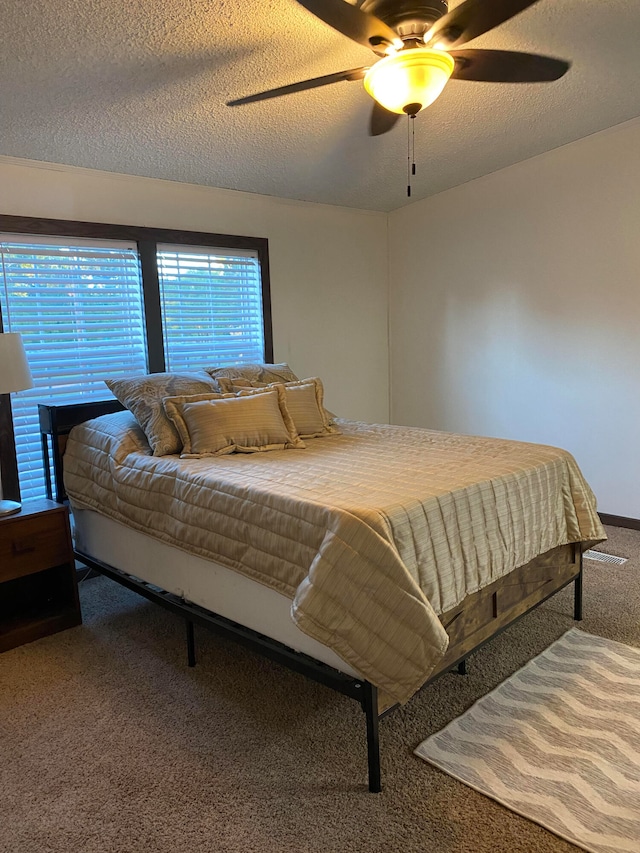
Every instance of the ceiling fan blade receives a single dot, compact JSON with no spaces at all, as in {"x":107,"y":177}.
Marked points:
{"x":314,"y":83}
{"x":505,"y":66}
{"x":360,"y":26}
{"x":381,"y":120}
{"x":471,"y":19}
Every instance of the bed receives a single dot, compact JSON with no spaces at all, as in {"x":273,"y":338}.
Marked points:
{"x":372,"y":560}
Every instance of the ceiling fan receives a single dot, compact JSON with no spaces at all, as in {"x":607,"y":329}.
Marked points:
{"x":415,"y":39}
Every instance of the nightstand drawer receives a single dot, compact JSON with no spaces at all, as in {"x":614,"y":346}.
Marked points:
{"x":33,"y":543}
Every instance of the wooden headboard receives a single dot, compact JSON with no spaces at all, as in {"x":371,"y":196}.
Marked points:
{"x":56,"y":422}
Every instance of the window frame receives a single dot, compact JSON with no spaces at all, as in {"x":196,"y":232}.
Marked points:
{"x":146,"y":239}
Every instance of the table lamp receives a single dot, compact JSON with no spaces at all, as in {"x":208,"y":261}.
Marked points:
{"x":14,"y":376}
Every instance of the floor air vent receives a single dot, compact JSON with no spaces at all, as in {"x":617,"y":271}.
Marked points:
{"x":601,"y":557}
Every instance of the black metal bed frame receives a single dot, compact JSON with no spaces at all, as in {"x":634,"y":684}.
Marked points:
{"x":363,"y":691}
{"x":359,"y":689}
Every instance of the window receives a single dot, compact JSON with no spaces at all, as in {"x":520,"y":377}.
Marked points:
{"x":99,"y":306}
{"x":78,"y":306}
{"x":211,"y":306}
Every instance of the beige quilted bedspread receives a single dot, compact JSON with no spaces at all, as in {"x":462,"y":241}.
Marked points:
{"x":371,"y":533}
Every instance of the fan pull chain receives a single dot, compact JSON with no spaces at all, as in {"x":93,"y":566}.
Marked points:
{"x":411,"y":152}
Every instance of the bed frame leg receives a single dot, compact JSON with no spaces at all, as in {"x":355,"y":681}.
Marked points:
{"x":191,"y":644}
{"x":462,"y":667}
{"x":577,"y":595}
{"x":370,"y":708}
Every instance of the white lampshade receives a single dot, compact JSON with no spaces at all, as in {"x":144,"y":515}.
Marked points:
{"x":14,"y":368}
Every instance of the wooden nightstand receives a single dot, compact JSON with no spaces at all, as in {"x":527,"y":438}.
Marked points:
{"x":38,"y":584}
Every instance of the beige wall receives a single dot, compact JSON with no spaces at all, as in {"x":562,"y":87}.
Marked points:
{"x":514,"y":300}
{"x":515,"y":309}
{"x":328,"y":264}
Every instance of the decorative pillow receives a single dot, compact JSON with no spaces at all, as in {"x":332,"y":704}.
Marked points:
{"x":143,"y":396}
{"x":304,"y":401}
{"x":256,"y":374}
{"x":248,"y":422}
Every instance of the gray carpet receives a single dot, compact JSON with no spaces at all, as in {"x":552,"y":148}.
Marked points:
{"x":109,"y":742}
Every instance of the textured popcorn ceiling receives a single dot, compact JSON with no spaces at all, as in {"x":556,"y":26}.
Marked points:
{"x":139,"y":88}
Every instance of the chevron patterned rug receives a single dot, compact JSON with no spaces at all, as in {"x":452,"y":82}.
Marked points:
{"x":558,"y":742}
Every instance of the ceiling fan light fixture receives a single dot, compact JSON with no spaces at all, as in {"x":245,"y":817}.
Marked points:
{"x":408,"y":78}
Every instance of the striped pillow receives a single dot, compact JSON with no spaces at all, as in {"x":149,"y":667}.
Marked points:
{"x":217,"y":424}
{"x":304,"y":399}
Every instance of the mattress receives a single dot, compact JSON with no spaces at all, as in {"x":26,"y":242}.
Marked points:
{"x":370,"y":534}
{"x":198,"y":581}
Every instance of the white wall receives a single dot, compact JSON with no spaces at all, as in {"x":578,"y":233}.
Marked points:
{"x":514,"y":299}
{"x":328,"y":264}
{"x":515,"y":309}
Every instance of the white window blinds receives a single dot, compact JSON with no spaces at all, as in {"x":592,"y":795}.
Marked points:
{"x":211,"y":306}
{"x":78,"y":305}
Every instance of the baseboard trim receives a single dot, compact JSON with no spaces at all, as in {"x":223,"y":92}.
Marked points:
{"x":619,"y":521}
